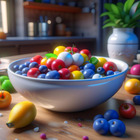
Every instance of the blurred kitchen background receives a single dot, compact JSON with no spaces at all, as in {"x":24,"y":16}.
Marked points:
{"x":41,"y":25}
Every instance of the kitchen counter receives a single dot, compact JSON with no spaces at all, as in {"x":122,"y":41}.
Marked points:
{"x":52,"y":123}
{"x":32,"y":40}
{"x":24,"y":45}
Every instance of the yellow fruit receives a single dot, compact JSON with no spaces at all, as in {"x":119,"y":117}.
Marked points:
{"x":21,"y":115}
{"x":132,"y":86}
{"x":101,"y":62}
{"x":58,"y":50}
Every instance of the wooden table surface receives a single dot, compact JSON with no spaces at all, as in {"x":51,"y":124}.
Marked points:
{"x":52,"y":123}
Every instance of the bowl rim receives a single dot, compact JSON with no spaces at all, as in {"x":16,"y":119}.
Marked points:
{"x":69,"y":80}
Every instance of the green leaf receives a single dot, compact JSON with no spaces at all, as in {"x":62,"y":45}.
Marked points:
{"x":48,"y":55}
{"x":121,"y":24}
{"x":120,"y":7}
{"x":136,"y":14}
{"x":107,"y":6}
{"x":135,"y":6}
{"x":125,"y":26}
{"x":111,"y":24}
{"x":107,"y":20}
{"x":120,"y":4}
{"x":111,"y":17}
{"x":132,"y":20}
{"x":108,"y":14}
{"x":128,"y":4}
{"x":132,"y":25}
{"x":115,"y":9}
{"x":118,"y":21}
{"x":127,"y":19}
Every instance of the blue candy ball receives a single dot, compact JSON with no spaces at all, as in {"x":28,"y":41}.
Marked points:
{"x":21,"y":66}
{"x":89,"y":66}
{"x":136,"y":100}
{"x":43,"y":69}
{"x":33,"y":65}
{"x":100,"y":70}
{"x":101,"y":126}
{"x":88,"y":73}
{"x":97,"y":117}
{"x":111,"y":114}
{"x":41,"y":76}
{"x":109,"y":72}
{"x":52,"y":75}
{"x":16,"y":67}
{"x":19,"y":72}
{"x":117,"y":127}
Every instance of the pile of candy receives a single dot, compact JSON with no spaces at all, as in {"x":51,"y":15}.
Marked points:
{"x":109,"y":122}
{"x":67,"y":63}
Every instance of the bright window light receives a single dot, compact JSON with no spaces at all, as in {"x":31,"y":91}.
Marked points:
{"x":4,"y":16}
{"x":49,"y":22}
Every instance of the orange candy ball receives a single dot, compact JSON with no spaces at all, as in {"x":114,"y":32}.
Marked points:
{"x":5,"y":99}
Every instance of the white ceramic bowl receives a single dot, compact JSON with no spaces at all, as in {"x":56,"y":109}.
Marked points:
{"x":68,"y":95}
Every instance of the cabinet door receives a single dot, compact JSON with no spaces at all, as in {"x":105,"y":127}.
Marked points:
{"x":8,"y":51}
{"x":35,"y":48}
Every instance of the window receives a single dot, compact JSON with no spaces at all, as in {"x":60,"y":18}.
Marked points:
{"x":3,"y":16}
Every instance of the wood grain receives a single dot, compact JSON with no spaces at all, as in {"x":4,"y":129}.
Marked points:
{"x":51,"y":7}
{"x":52,"y":123}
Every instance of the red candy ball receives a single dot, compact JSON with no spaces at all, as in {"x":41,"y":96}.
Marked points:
{"x":36,"y":58}
{"x":33,"y":72}
{"x":135,"y":69}
{"x":43,"y":136}
{"x":110,"y":66}
{"x":85,"y":138}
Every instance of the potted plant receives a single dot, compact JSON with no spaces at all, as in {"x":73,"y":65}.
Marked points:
{"x":123,"y":17}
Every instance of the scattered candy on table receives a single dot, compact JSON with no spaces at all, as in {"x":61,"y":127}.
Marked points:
{"x":1,"y":115}
{"x":132,"y":86}
{"x":66,"y":122}
{"x":79,"y":124}
{"x":85,"y":138}
{"x":43,"y":136}
{"x":136,"y":99}
{"x":5,"y":99}
{"x":135,"y":69}
{"x":98,"y":116}
{"x":109,"y":122}
{"x":36,"y":129}
{"x":127,"y":110}
{"x":111,"y":114}
{"x":116,"y":127}
{"x":71,"y":63}
{"x":101,"y":126}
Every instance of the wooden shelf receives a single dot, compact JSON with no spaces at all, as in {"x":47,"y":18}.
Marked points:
{"x":51,"y":7}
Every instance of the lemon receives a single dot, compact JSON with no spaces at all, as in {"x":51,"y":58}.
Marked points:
{"x":21,"y":115}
